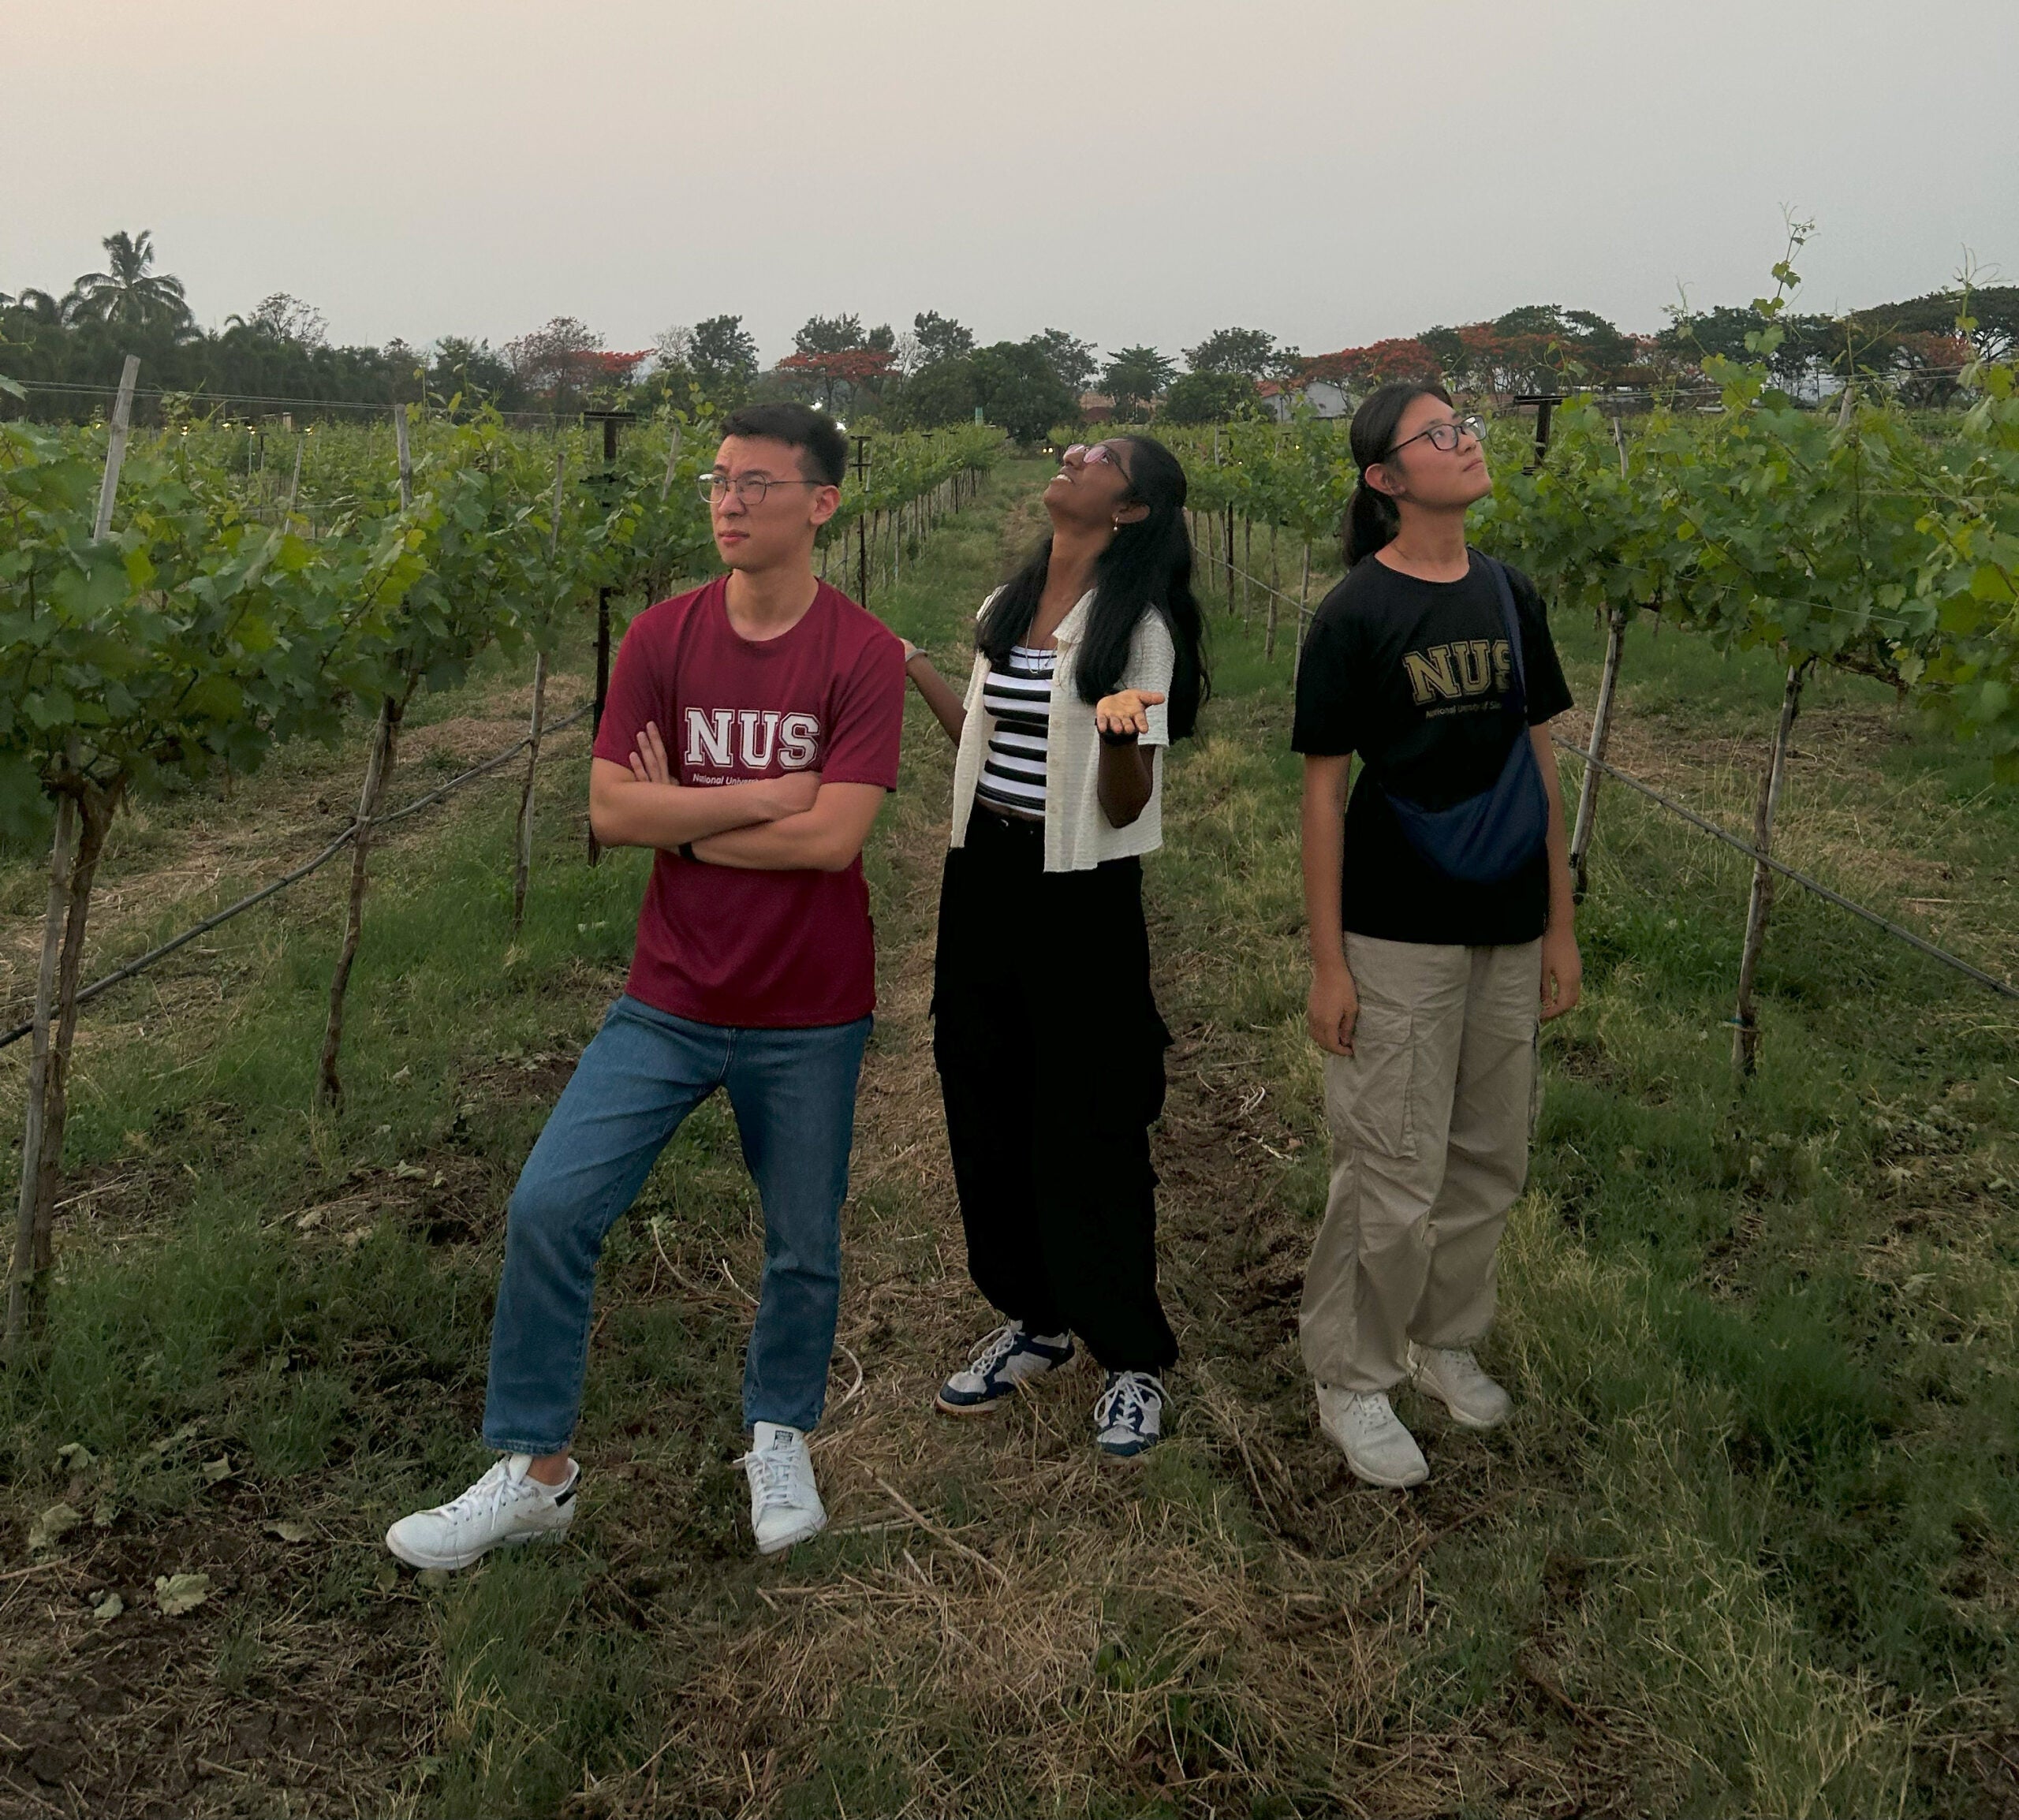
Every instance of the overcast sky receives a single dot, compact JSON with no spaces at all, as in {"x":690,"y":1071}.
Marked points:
{"x":1332,"y":170}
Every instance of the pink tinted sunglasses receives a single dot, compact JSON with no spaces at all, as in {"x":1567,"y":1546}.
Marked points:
{"x":1090,"y":452}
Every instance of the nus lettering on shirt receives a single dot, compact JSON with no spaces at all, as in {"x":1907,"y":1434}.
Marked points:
{"x":1453,"y":678}
{"x":731,"y":745}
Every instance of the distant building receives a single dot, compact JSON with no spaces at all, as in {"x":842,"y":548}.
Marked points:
{"x":1095,"y":407}
{"x":1322,"y":398}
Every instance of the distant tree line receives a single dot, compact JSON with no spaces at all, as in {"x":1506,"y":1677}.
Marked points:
{"x":1915,"y":346}
{"x":68,"y":347}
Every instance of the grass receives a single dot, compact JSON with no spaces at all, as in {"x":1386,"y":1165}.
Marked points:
{"x":1746,"y":1547}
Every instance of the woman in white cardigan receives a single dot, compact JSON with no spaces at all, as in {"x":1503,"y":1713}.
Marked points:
{"x":1089,"y":661}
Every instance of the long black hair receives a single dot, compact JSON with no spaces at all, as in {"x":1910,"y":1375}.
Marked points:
{"x":1371,"y":518}
{"x":1146,"y":568}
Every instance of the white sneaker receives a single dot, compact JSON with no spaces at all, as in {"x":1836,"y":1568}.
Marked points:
{"x":1008,"y":1358}
{"x":1378,"y":1448}
{"x":1129,"y":1414}
{"x":505,"y":1508}
{"x":784,"y":1503}
{"x":1453,"y":1375}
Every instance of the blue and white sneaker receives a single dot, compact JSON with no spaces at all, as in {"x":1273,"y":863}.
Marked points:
{"x":1006,"y":1360}
{"x":1129,"y":1419}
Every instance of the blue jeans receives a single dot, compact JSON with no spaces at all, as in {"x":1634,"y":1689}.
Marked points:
{"x":793,"y":1094}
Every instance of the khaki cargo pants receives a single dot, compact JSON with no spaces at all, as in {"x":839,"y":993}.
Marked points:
{"x":1430,"y":1118}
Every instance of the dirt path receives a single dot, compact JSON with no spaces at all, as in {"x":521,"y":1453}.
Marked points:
{"x":1017,"y":1623}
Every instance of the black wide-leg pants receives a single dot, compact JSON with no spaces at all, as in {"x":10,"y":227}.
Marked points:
{"x":1051,"y":1054}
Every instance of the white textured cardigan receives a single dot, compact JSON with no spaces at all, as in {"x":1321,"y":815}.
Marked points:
{"x":1077,"y":834}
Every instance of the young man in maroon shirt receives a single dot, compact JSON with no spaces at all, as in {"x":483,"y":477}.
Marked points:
{"x":749,"y":738}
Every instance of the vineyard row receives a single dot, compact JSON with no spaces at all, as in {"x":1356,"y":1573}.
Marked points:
{"x":1853,"y":538}
{"x":171,"y":610}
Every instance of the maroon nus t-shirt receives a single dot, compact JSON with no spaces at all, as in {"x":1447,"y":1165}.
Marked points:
{"x":719,"y":943}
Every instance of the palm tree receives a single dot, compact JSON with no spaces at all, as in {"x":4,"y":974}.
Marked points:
{"x":129,"y":294}
{"x":37,"y":305}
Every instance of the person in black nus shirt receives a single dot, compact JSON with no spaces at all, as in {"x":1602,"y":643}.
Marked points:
{"x":1439,"y":907}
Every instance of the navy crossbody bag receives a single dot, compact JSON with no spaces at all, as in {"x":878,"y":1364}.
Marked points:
{"x":1491,"y":836}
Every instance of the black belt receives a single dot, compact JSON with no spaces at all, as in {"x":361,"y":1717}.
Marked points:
{"x":1009,"y":818}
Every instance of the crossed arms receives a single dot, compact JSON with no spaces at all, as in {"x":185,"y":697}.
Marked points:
{"x":790,"y":824}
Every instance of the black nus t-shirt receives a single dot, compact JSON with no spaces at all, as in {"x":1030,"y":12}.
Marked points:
{"x":1412,"y":676}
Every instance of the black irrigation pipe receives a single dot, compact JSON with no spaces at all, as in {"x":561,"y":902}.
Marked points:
{"x":2001,"y":987}
{"x":300,"y":872}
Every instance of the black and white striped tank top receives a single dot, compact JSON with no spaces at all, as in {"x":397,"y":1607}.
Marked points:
{"x":1019,"y":699}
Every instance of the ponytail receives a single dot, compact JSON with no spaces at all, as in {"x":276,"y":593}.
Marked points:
{"x":1373,"y":518}
{"x":1371,"y":521}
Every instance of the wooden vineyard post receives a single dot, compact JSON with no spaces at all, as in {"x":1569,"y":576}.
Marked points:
{"x":294,"y":485}
{"x":1587,"y":793}
{"x":1745,"y":1030}
{"x":1226,"y":552}
{"x":83,"y":815}
{"x":601,"y":695}
{"x":61,"y":854}
{"x":522,"y":866}
{"x":84,"y":820}
{"x":1303,"y":614}
{"x":1296,"y":633}
{"x":1246,"y":566}
{"x":378,"y":771}
{"x":672,"y":462}
{"x":96,"y":806}
{"x":862,"y":524}
{"x":405,"y":449}
{"x":660,"y":578}
{"x":1545,"y":403}
{"x":609,"y":420}
{"x":115,"y":448}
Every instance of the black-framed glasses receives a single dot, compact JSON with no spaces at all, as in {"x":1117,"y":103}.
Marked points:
{"x":1444,"y":436}
{"x":749,"y":488}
